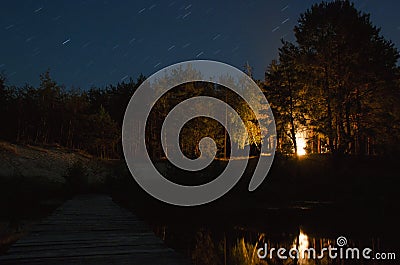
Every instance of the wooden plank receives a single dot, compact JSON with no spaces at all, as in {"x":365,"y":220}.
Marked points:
{"x":91,"y":229}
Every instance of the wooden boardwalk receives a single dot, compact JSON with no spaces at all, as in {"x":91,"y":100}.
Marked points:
{"x":91,"y":229}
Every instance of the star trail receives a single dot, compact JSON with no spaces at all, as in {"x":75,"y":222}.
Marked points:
{"x":95,"y":43}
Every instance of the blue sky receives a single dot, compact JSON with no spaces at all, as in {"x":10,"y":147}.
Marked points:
{"x":86,"y":43}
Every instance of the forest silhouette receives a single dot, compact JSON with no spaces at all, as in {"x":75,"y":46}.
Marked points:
{"x":338,"y":82}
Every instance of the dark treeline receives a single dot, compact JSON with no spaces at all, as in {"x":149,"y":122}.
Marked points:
{"x":337,"y":86}
{"x":50,"y":114}
{"x":92,"y":120}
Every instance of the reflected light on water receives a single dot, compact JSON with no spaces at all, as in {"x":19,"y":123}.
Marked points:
{"x":301,"y":246}
{"x":303,"y":241}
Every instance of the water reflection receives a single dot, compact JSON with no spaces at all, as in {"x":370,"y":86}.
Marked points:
{"x":301,"y":244}
{"x":238,"y":246}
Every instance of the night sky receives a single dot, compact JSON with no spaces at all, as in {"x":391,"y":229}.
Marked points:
{"x":86,"y":43}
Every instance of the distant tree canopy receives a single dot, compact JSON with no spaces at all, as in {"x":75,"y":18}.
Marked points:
{"x":340,"y":81}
